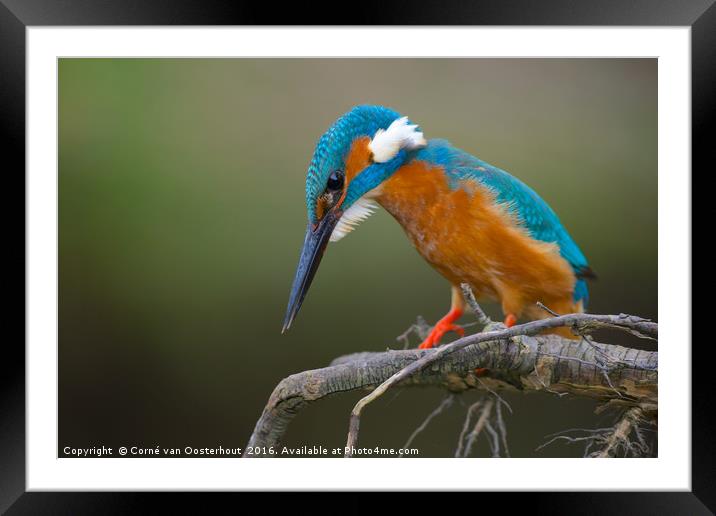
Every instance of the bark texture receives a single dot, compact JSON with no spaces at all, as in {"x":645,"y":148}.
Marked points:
{"x":527,"y":362}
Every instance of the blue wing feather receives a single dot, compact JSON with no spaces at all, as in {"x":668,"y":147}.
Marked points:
{"x":538,"y":218}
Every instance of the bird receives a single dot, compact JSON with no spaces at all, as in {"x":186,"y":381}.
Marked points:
{"x":473,"y":222}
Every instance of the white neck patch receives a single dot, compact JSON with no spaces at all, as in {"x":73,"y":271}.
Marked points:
{"x":357,"y":213}
{"x":386,"y":144}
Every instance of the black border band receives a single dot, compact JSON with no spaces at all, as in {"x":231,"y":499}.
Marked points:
{"x":15,"y":15}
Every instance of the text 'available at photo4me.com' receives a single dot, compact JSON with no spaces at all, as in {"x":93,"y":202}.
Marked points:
{"x":224,"y":451}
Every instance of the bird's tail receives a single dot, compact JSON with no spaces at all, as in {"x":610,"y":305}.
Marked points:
{"x":581,"y":293}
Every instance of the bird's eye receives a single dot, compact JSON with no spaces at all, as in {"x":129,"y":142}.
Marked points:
{"x":335,"y":180}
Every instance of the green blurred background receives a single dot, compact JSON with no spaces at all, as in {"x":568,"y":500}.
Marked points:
{"x":181,"y":215}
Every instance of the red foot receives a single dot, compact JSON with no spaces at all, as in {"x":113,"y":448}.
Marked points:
{"x":510,"y":320}
{"x":443,"y":326}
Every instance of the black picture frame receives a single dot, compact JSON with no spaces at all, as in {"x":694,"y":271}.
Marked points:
{"x":17,"y":15}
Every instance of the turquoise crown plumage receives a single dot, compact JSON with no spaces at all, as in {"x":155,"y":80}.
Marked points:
{"x":335,"y":143}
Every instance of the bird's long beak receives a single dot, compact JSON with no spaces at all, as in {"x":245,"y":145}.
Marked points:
{"x":313,"y":247}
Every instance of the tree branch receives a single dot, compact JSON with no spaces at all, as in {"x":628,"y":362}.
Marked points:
{"x":517,"y":358}
{"x":580,"y":324}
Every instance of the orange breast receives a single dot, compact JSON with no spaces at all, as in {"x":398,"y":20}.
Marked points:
{"x":467,"y":237}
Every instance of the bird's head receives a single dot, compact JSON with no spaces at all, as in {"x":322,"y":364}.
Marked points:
{"x":359,"y":151}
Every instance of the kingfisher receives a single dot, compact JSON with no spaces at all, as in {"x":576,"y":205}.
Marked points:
{"x":472,"y":222}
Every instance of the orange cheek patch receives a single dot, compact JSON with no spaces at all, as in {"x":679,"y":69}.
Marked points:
{"x":358,"y":158}
{"x":321,"y":207}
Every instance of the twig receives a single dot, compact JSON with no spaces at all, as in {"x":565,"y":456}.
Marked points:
{"x":466,"y":427}
{"x":494,"y":393}
{"x":467,"y":293}
{"x":420,"y":328}
{"x":502,"y":428}
{"x":482,"y":422}
{"x":546,"y":309}
{"x":444,"y":404}
{"x":494,"y":440}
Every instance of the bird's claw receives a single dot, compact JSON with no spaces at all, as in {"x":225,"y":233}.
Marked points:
{"x":510,"y":320}
{"x":440,"y":329}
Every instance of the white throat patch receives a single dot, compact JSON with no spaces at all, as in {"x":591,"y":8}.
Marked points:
{"x":357,"y":213}
{"x":386,"y":144}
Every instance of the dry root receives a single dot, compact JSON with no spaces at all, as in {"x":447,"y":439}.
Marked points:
{"x":624,"y":439}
